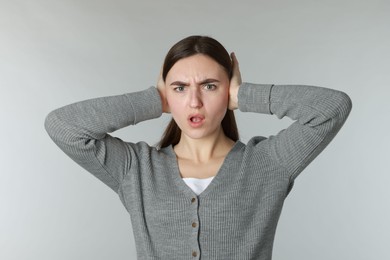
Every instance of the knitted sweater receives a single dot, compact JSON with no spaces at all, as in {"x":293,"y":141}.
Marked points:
{"x":236,"y":216}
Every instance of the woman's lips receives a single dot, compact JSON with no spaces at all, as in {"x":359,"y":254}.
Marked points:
{"x":196,"y":120}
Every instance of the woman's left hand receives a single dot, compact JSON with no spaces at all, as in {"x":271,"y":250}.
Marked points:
{"x":235,"y":83}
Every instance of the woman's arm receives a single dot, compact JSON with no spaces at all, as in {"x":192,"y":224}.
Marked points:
{"x":319,"y":113}
{"x":81,"y":131}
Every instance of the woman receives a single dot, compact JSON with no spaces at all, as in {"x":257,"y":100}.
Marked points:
{"x":202,"y":194}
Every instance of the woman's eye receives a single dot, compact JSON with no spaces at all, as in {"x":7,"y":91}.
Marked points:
{"x":179,"y":89}
{"x":210,"y":86}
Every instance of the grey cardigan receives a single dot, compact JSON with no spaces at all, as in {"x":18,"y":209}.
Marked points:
{"x":236,"y":216}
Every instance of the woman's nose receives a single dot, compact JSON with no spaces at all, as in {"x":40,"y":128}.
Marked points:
{"x":195,"y":99}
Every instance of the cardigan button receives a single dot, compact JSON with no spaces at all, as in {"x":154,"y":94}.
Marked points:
{"x":193,"y":200}
{"x":194,"y":254}
{"x":193,"y":224}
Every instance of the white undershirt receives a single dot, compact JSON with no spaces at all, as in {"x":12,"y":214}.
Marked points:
{"x":198,"y":185}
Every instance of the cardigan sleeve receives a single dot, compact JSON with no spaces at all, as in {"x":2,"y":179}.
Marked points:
{"x":81,"y":131}
{"x":318,"y":115}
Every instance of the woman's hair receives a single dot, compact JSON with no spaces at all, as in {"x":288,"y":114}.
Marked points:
{"x":187,"y":47}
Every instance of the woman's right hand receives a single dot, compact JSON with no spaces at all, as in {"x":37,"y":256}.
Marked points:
{"x":162,"y":91}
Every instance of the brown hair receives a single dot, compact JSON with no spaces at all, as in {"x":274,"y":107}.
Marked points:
{"x":188,"y":47}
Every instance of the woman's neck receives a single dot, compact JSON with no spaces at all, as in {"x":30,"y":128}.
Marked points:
{"x":204,"y":149}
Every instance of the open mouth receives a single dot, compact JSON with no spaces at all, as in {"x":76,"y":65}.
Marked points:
{"x":196,"y":120}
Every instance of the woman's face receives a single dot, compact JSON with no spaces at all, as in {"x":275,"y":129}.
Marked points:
{"x":197,"y":92}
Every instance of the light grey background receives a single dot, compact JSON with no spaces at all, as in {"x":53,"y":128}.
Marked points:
{"x":53,"y":53}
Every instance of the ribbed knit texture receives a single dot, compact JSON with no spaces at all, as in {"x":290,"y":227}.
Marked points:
{"x":236,"y":216}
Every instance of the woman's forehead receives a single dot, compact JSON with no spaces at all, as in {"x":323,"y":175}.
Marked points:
{"x":197,"y":67}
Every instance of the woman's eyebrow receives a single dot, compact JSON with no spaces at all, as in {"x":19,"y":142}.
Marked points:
{"x":181,"y":83}
{"x":208,"y":81}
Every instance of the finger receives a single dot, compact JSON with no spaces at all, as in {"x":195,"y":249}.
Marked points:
{"x":160,"y":74}
{"x":234,"y":59}
{"x":236,"y":69}
{"x":235,"y":62}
